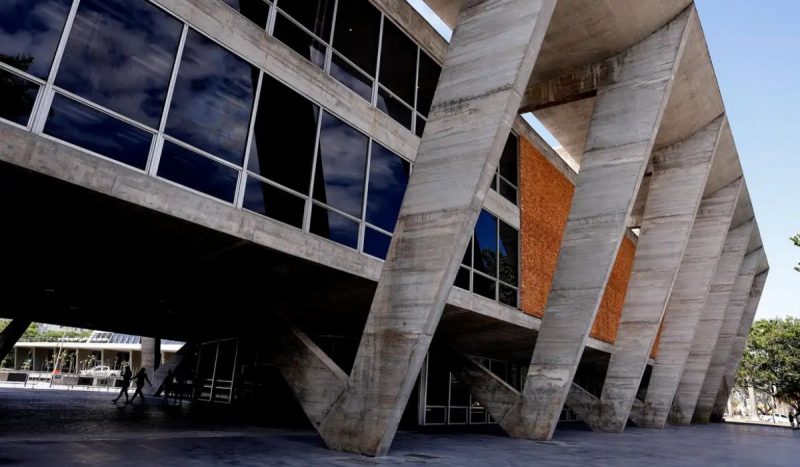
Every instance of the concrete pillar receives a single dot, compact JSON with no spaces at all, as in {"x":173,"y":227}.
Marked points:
{"x":728,"y":351}
{"x":686,"y":301}
{"x":11,"y":334}
{"x":474,"y":105}
{"x":150,"y":355}
{"x":676,"y":188}
{"x":725,"y":306}
{"x":627,"y":114}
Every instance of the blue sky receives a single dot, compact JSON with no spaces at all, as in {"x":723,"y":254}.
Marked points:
{"x":755,"y":48}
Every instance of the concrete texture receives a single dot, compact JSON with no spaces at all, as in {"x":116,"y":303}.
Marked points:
{"x":151,"y":357}
{"x":686,"y":302}
{"x":638,"y":89}
{"x":11,"y":334}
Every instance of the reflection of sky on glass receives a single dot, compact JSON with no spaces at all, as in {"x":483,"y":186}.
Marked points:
{"x":120,"y":55}
{"x":388,"y":178}
{"x":341,"y":168}
{"x":32,"y":28}
{"x":376,"y":243}
{"x":17,"y":96}
{"x":334,"y":227}
{"x":486,"y":243}
{"x":198,"y":172}
{"x":351,"y":78}
{"x":212,"y":99}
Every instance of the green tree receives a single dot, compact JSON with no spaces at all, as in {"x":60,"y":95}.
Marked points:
{"x":771,"y":360}
{"x":796,"y":241}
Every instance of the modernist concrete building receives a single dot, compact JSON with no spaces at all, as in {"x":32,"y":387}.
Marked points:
{"x":360,"y":206}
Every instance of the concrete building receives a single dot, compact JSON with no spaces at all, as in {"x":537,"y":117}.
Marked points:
{"x":345,"y":210}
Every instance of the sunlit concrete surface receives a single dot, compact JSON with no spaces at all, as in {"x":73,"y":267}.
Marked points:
{"x":54,"y":428}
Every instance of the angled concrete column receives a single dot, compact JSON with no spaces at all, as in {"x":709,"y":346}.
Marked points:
{"x":739,"y":342}
{"x":732,"y":325}
{"x":723,"y":300}
{"x":151,"y":357}
{"x":627,"y":114}
{"x":474,"y":105}
{"x":11,"y":334}
{"x":679,"y":177}
{"x":686,"y":302}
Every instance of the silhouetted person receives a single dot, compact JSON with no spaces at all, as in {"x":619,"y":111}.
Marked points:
{"x":167,"y":386}
{"x":141,"y":377}
{"x":126,"y":383}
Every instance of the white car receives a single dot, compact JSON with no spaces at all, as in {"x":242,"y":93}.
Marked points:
{"x":100,"y":371}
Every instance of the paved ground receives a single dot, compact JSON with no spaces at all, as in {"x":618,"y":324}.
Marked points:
{"x":79,"y":428}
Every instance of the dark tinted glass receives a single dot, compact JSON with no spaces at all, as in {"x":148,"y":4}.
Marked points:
{"x":484,"y":286}
{"x":255,"y":10}
{"x":467,"y":259}
{"x":508,"y":295}
{"x":508,"y":192}
{"x":493,"y":185}
{"x":486,"y":244}
{"x":18,"y":96}
{"x":212,"y":99}
{"x":428,"y":78}
{"x":341,"y":166}
{"x":358,"y":26}
{"x":388,"y":178}
{"x":376,"y":243}
{"x":509,"y":255}
{"x":394,"y":108}
{"x":299,"y":40}
{"x":462,"y":279}
{"x":398,"y":62}
{"x":120,"y":54}
{"x":85,"y":127}
{"x":29,"y":33}
{"x":197,"y":172}
{"x":508,"y":161}
{"x":284,"y":136}
{"x":352,"y":78}
{"x":420,"y":127}
{"x":334,"y":227}
{"x":273,"y":202}
{"x":438,"y":380}
{"x":314,"y":15}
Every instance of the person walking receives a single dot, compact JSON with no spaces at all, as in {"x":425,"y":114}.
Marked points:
{"x":167,"y":386}
{"x":141,"y":377}
{"x":126,"y":383}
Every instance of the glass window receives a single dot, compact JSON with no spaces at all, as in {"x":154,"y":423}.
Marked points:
{"x":212,"y":99}
{"x":394,"y":108}
{"x":508,"y":295}
{"x":120,"y":54}
{"x":467,"y":260}
{"x":398,"y":62}
{"x":19,"y":95}
{"x":346,"y":74}
{"x":334,"y":226}
{"x":198,"y":172}
{"x":388,"y":178}
{"x":486,"y":244}
{"x":358,"y":26}
{"x":314,"y":15}
{"x":376,"y":243}
{"x":255,"y":10}
{"x":341,"y":166}
{"x":29,"y":33}
{"x":484,"y":286}
{"x":273,"y":202}
{"x":98,"y":132}
{"x":299,"y":41}
{"x":462,"y":278}
{"x":508,"y":254}
{"x":420,"y":127}
{"x":508,"y":161}
{"x":284,"y":136}
{"x":426,"y":83}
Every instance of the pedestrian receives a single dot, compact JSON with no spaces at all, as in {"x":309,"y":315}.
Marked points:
{"x":141,"y":377}
{"x":167,"y":386}
{"x":126,"y":383}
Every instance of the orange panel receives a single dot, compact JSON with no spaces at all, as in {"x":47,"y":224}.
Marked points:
{"x":608,"y":316}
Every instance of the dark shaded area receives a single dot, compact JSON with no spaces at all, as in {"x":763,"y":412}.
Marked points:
{"x":25,"y":23}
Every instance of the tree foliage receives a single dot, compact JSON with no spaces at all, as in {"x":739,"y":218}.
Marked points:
{"x":796,"y":241}
{"x":771,"y":359}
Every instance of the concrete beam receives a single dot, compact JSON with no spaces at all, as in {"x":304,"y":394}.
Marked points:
{"x":487,"y":388}
{"x":574,"y":85}
{"x":11,"y":334}
{"x":151,"y":356}
{"x":676,"y":188}
{"x":689,"y":292}
{"x":709,"y":329}
{"x":474,"y":106}
{"x":626,"y":119}
{"x":172,"y":364}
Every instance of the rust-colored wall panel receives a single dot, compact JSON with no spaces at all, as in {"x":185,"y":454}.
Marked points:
{"x":654,"y":350}
{"x":610,"y":311}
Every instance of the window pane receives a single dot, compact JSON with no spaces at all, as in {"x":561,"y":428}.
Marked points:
{"x":484,"y":286}
{"x":197,"y":172}
{"x":19,"y":95}
{"x":398,"y":62}
{"x":120,"y":54}
{"x":29,"y":33}
{"x":376,"y":243}
{"x":255,"y":10}
{"x":438,"y":380}
{"x":508,"y":161}
{"x":467,"y":259}
{"x":394,"y":108}
{"x":358,"y":26}
{"x":88,"y":128}
{"x":388,"y":178}
{"x":273,"y":202}
{"x":509,"y":256}
{"x":341,"y":166}
{"x":333,"y":226}
{"x":314,"y":15}
{"x":486,"y":244}
{"x":428,"y":78}
{"x":462,"y":279}
{"x":507,"y":191}
{"x":352,"y":78}
{"x":212,"y":99}
{"x":299,"y":41}
{"x":508,"y":295}
{"x":284,"y":136}
{"x":420,"y":127}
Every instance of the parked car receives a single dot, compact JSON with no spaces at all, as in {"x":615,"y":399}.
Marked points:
{"x":100,"y":371}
